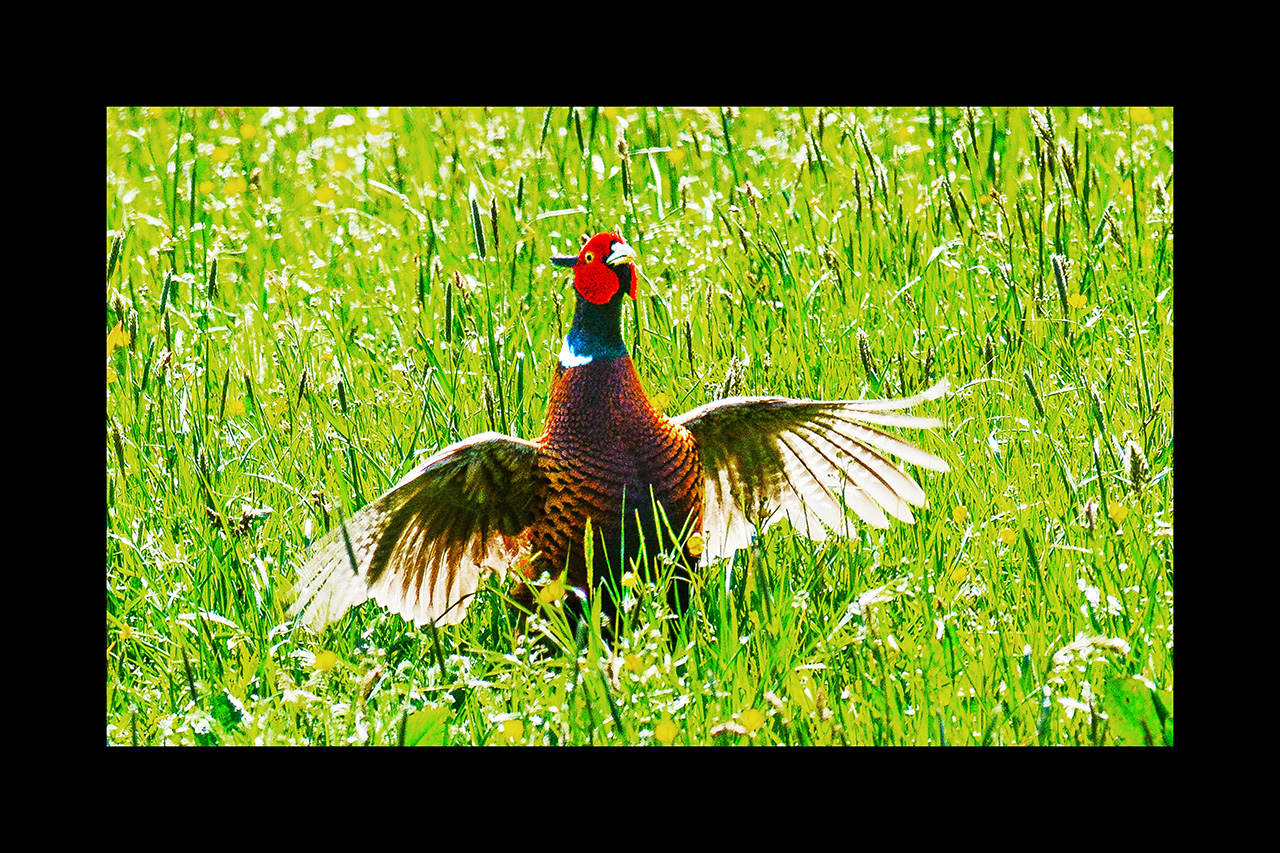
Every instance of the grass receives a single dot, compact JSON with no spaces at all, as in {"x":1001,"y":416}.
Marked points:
{"x":300,"y":302}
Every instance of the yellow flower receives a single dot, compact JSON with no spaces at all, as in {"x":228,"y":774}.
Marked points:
{"x":553,"y":591}
{"x":326,"y":661}
{"x":1077,"y":301}
{"x":752,"y":720}
{"x":511,"y":730}
{"x":219,"y":155}
{"x":1007,"y":536}
{"x":1118,"y":512}
{"x":235,"y":408}
{"x":697,"y":545}
{"x":676,"y":156}
{"x":341,"y":162}
{"x":111,"y":376}
{"x":248,"y":131}
{"x":206,"y":187}
{"x":632,"y":663}
{"x":235,"y":186}
{"x":155,"y":112}
{"x":665,"y":732}
{"x":1142,"y":115}
{"x":117,"y":338}
{"x":325,"y":194}
{"x":960,"y":514}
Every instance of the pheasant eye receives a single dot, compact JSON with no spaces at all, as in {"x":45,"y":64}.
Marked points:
{"x":589,"y":257}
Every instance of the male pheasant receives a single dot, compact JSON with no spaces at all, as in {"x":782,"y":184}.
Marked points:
{"x":610,"y":462}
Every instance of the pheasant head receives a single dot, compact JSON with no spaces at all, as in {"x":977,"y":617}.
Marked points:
{"x":604,"y":273}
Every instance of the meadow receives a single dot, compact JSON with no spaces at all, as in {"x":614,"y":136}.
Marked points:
{"x":302,"y":302}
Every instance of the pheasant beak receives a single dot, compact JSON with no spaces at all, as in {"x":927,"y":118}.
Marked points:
{"x":621,"y":254}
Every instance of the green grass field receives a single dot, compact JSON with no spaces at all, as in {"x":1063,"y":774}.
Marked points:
{"x":300,"y":302}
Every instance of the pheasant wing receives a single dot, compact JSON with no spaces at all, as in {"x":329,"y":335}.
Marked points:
{"x":423,"y":548}
{"x":769,"y":458}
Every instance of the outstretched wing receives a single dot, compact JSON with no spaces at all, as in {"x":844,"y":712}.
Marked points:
{"x":423,"y":548}
{"x":769,"y":458}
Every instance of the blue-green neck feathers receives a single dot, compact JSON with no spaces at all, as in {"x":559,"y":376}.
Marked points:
{"x":596,"y":332}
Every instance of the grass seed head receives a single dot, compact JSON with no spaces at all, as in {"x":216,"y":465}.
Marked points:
{"x":864,"y":351}
{"x":1136,"y":465}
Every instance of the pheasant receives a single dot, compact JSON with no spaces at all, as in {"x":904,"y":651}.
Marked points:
{"x":698,"y":485}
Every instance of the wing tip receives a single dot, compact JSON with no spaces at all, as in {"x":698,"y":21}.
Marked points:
{"x":940,"y":389}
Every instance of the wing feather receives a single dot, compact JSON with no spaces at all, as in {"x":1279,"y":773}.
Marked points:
{"x":422,"y":549}
{"x":810,"y":461}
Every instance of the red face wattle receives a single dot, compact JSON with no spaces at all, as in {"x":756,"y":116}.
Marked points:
{"x":595,"y":270}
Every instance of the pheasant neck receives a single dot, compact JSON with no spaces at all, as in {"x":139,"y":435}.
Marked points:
{"x":596,"y":333}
